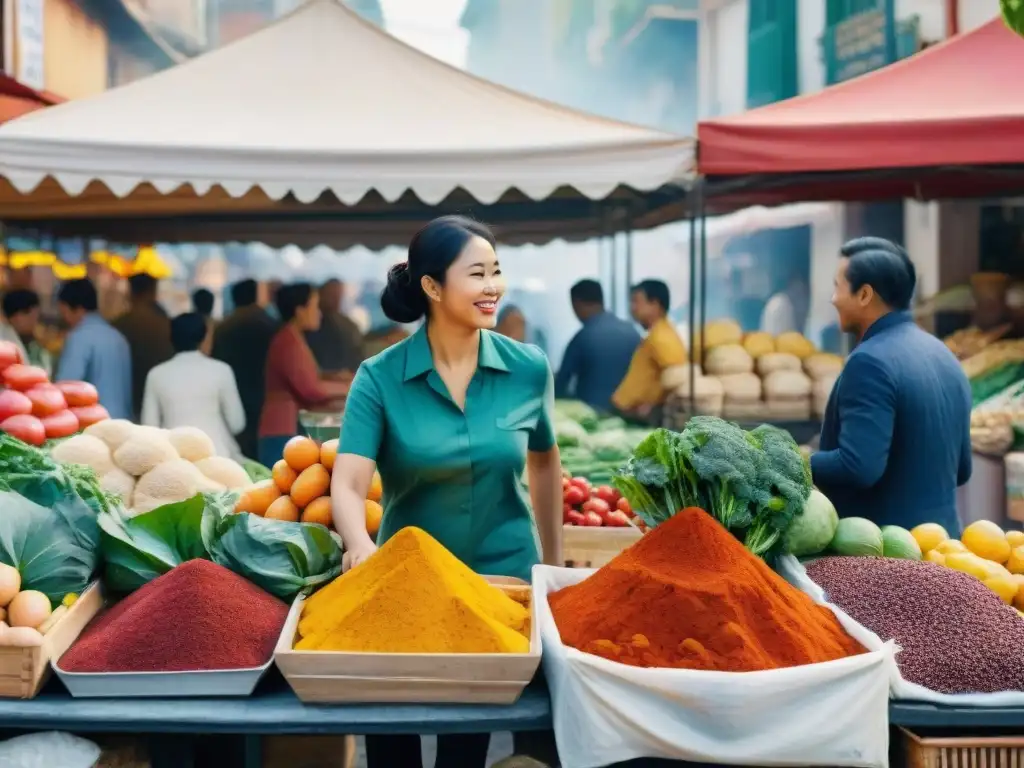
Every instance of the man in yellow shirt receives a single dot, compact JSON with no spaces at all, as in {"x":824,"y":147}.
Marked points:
{"x":640,"y":391}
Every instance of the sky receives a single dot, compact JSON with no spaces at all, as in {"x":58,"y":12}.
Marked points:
{"x":430,"y":25}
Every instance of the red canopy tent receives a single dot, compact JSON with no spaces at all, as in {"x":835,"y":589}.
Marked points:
{"x":17,"y":99}
{"x":946,"y":122}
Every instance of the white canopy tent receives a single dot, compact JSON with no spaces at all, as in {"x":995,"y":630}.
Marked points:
{"x":321,"y":128}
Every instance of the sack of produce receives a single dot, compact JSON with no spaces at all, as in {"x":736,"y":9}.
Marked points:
{"x":718,"y":333}
{"x":788,"y":409}
{"x":730,"y":358}
{"x":758,"y":344}
{"x":992,"y":441}
{"x":777,"y":361}
{"x":795,"y":344}
{"x":741,"y":387}
{"x":676,"y":378}
{"x":822,"y":365}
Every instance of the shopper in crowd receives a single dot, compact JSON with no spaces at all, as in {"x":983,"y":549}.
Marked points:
{"x":451,"y":416}
{"x":192,"y":390}
{"x":94,"y":351}
{"x":242,"y":340}
{"x":895,"y":442}
{"x":21,"y":312}
{"x":640,"y":394}
{"x":337,"y":344}
{"x":293,"y":380}
{"x":148,"y":330}
{"x":786,"y":310}
{"x":598,"y":356}
{"x":512,"y":323}
{"x":202,"y":302}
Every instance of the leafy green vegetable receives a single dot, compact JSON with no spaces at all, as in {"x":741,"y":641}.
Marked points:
{"x":256,"y":471}
{"x":55,"y":548}
{"x":581,"y":413}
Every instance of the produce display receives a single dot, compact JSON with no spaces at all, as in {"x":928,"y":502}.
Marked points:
{"x":198,"y":616}
{"x":413,"y":596}
{"x":592,"y":447}
{"x":26,"y":615}
{"x":996,"y":375}
{"x":35,"y":410}
{"x":299,"y":487}
{"x":689,"y":595}
{"x":956,"y":635}
{"x":583,"y":504}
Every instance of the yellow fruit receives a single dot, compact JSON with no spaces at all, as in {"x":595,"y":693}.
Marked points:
{"x":986,"y":539}
{"x":376,"y":491}
{"x":1015,"y":563}
{"x":1016,"y":538}
{"x":995,"y":570}
{"x":966,"y":562}
{"x":374,"y":513}
{"x":1018,"y":601}
{"x":951,"y":545}
{"x":934,"y":556}
{"x":1003,"y":586}
{"x":929,"y":536}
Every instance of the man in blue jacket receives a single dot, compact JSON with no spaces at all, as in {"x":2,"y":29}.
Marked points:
{"x":895,"y":442}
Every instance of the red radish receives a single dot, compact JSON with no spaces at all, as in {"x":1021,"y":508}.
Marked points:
{"x":616,"y":519}
{"x":574,"y":496}
{"x":22,"y":377}
{"x":79,"y":394}
{"x":576,"y":518}
{"x":46,"y":400}
{"x":28,"y":429}
{"x":592,"y":519}
{"x":14,"y":404}
{"x":9,"y":354}
{"x":60,"y":424}
{"x":90,"y":414}
{"x":624,"y":506}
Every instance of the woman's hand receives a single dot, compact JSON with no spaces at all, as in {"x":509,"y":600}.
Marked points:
{"x":350,"y":482}
{"x":358,"y":554}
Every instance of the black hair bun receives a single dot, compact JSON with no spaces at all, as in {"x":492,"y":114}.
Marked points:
{"x":403,"y":300}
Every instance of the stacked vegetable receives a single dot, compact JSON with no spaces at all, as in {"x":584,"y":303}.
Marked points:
{"x":147,"y":467}
{"x":34,"y":410}
{"x":592,"y":447}
{"x":26,"y":615}
{"x":300,"y":485}
{"x":583,"y":504}
{"x":755,"y":483}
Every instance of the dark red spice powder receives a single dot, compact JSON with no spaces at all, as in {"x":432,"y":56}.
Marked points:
{"x":198,"y":616}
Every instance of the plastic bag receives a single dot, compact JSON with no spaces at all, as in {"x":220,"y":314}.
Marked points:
{"x":48,"y":750}
{"x":835,"y":713}
{"x":903,"y":690}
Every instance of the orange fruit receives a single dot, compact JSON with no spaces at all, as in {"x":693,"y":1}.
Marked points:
{"x":301,"y":452}
{"x":283,"y":509}
{"x":376,"y":489}
{"x":312,"y":482}
{"x":283,"y":475}
{"x":257,"y":498}
{"x":327,"y":453}
{"x":374,"y":512}
{"x":318,"y":511}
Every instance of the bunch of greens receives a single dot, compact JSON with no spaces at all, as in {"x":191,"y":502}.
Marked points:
{"x":31,"y":472}
{"x":754,"y":483}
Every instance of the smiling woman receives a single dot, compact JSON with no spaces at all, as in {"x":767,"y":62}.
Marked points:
{"x":451,"y":417}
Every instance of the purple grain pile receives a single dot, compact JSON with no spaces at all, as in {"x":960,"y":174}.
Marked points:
{"x":956,"y":634}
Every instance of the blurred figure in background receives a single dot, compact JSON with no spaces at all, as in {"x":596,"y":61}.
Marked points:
{"x":337,"y":344}
{"x":21,"y":311}
{"x":94,"y":351}
{"x":202,"y":302}
{"x":787,"y":308}
{"x":293,"y":380}
{"x":598,"y":356}
{"x":512,"y":323}
{"x":191,"y":390}
{"x":640,"y":394}
{"x":242,"y":340}
{"x":148,"y":331}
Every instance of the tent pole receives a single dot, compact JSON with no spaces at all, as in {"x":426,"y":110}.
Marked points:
{"x":703,"y":274}
{"x":691,"y":306}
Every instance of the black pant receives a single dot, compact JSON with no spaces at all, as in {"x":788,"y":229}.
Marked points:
{"x":462,"y":750}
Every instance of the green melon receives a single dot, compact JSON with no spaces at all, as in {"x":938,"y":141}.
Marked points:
{"x":899,"y":543}
{"x":857,"y":537}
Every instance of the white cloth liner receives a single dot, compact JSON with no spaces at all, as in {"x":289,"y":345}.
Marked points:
{"x":835,"y":713}
{"x":903,"y":690}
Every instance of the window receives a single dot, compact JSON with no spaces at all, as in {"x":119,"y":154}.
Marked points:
{"x":772,"y":73}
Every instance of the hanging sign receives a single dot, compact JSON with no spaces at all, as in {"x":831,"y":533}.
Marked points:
{"x":858,"y":44}
{"x":29,"y":43}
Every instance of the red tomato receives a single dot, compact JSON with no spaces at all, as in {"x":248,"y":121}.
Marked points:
{"x":609,"y":494}
{"x":592,"y":519}
{"x":28,"y":429}
{"x":574,"y":496}
{"x":624,"y":506}
{"x":46,"y":400}
{"x":576,"y":518}
{"x":90,"y":414}
{"x":14,"y":404}
{"x":9,"y":354}
{"x":79,"y":394}
{"x":616,"y":519}
{"x":583,"y":483}
{"x":61,"y":424}
{"x":22,"y":377}
{"x":598,"y":505}
{"x":566,"y":509}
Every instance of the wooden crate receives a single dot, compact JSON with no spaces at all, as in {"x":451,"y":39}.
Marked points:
{"x":24,"y":671}
{"x":334,"y":677}
{"x":586,"y":547}
{"x":963,"y":751}
{"x":309,"y":751}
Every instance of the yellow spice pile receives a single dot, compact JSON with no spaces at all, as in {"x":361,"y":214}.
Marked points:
{"x":413,"y":596}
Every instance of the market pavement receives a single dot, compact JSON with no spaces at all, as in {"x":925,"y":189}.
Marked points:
{"x":501,"y":746}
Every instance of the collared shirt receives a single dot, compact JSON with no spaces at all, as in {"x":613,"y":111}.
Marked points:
{"x":456,"y":473}
{"x":95,"y":352}
{"x":660,"y":350}
{"x":338,"y":344}
{"x":596,"y":360}
{"x":148,"y":332}
{"x":293,"y":383}
{"x":191,"y":390}
{"x":895,"y":441}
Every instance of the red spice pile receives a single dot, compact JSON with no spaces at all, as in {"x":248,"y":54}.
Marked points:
{"x":198,"y":616}
{"x":688,"y":595}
